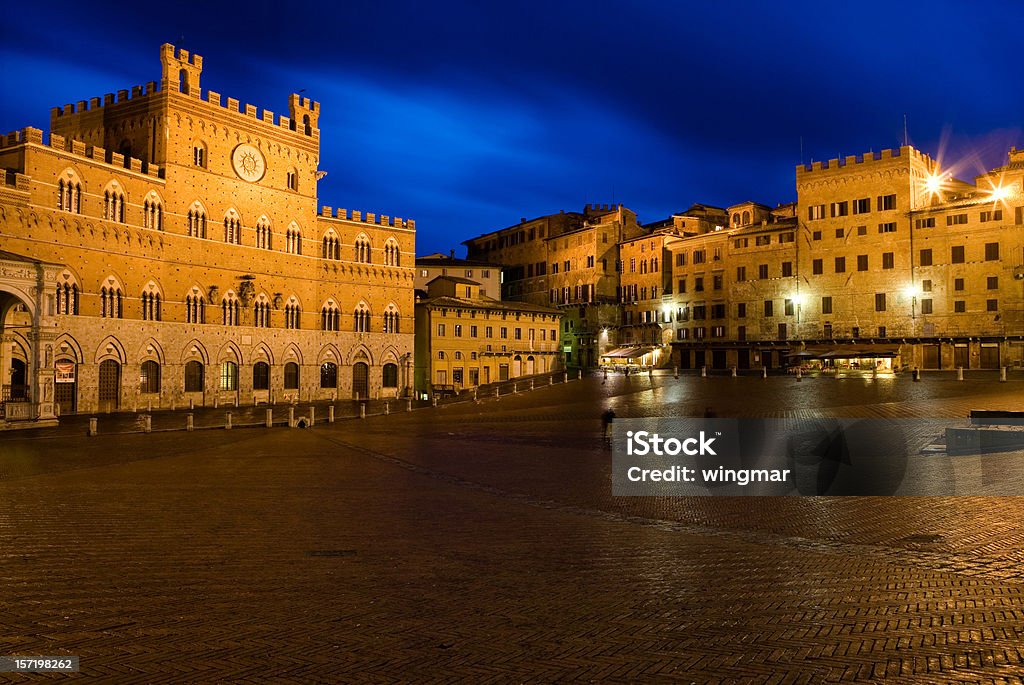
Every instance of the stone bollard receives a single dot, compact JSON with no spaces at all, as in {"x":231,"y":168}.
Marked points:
{"x":675,"y":371}
{"x":362,"y":409}
{"x":799,"y":374}
{"x":515,"y":388}
{"x":650,"y":373}
{"x":959,"y":373}
{"x":734,"y":372}
{"x":312,"y":415}
{"x":254,"y":399}
{"x":917,"y":374}
{"x":93,"y":427}
{"x":149,"y":406}
{"x":235,"y":401}
{"x":408,"y":404}
{"x":227,"y":420}
{"x":291,"y":416}
{"x":606,"y":373}
{"x":1002,"y":374}
{"x":270,"y":418}
{"x":191,"y":404}
{"x":703,"y":372}
{"x":531,"y":384}
{"x":330,"y":414}
{"x":433,"y":401}
{"x":764,"y":372}
{"x":147,"y":424}
{"x":579,"y":374}
{"x":565,"y":377}
{"x":497,"y":393}
{"x":387,"y":408}
{"x":216,"y":401}
{"x":190,"y":424}
{"x":475,"y":395}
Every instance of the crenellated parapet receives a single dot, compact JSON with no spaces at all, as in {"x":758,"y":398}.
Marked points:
{"x":180,"y":75}
{"x":358,"y":216}
{"x":77,"y":148}
{"x":834,"y":166}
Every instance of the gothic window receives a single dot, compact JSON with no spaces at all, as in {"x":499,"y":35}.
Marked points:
{"x":232,"y":228}
{"x":153,"y":213}
{"x":113,"y":204}
{"x":195,"y":307}
{"x":69,"y":196}
{"x":291,"y":376}
{"x":328,"y":375}
{"x":111,"y":302}
{"x":67,"y":298}
{"x":261,"y":376}
{"x":330,"y":317}
{"x":263,"y":234}
{"x":293,"y":240}
{"x":361,"y":318}
{"x":292,"y":179}
{"x":392,"y":255}
{"x":151,"y":306}
{"x":230,"y":310}
{"x":331,"y":246}
{"x":194,"y":376}
{"x":362,"y":249}
{"x":197,"y":221}
{"x":229,"y":376}
{"x":149,"y":377}
{"x":291,"y":316}
{"x":261,"y":312}
{"x":391,"y":319}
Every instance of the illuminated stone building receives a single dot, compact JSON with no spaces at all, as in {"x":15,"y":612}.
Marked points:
{"x":163,"y":246}
{"x":884,"y":261}
{"x":465,"y":339}
{"x":566,"y":260}
{"x":431,"y":266}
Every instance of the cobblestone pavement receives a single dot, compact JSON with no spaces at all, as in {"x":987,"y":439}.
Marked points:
{"x":480,"y":542}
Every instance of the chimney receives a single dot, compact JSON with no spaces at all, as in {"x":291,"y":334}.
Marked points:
{"x":451,"y":253}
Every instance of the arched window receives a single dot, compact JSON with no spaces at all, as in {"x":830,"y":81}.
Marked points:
{"x":361,"y":318}
{"x":293,"y":240}
{"x":232,"y":228}
{"x":229,"y":376}
{"x":291,"y":376}
{"x":654,"y":265}
{"x":292,"y":314}
{"x":199,"y":154}
{"x":746,"y":218}
{"x":149,"y":377}
{"x":153,"y":213}
{"x":328,"y":375}
{"x":292,"y":179}
{"x":197,"y":221}
{"x":306,"y":125}
{"x":261,"y":376}
{"x":362,"y":249}
{"x":67,"y":296}
{"x":113,"y":204}
{"x":331,"y":246}
{"x":261,"y":312}
{"x":390,"y":376}
{"x":193,"y":376}
{"x":195,"y":307}
{"x":391,"y":319}
{"x":736,"y":219}
{"x":330,"y":317}
{"x":263,"y":234}
{"x":230,"y":310}
{"x":183,"y":82}
{"x":69,"y":195}
{"x":111,"y":302}
{"x":392,"y":255}
{"x":151,"y":304}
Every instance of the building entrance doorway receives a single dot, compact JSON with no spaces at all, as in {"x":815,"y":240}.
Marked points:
{"x":109,"y":385}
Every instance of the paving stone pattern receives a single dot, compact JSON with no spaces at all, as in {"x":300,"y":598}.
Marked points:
{"x":479,"y":542}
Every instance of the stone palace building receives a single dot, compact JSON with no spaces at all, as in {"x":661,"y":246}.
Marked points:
{"x":163,"y":246}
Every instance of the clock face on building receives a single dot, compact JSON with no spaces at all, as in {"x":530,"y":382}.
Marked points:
{"x":249,"y":163}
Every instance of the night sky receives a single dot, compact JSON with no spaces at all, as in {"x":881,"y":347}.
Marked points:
{"x":470,"y":116}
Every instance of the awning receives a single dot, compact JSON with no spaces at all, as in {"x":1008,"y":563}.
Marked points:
{"x":627,"y":353}
{"x":846,"y":352}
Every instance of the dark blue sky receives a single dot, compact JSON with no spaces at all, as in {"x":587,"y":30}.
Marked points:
{"x":467,"y":116}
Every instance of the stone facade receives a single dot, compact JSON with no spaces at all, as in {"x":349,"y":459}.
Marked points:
{"x":465,"y":339}
{"x":189,"y":242}
{"x":569,"y":261}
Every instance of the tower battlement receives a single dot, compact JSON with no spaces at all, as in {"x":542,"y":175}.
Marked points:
{"x":77,"y":148}
{"x":834,"y":166}
{"x":356,"y":215}
{"x":180,"y":73}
